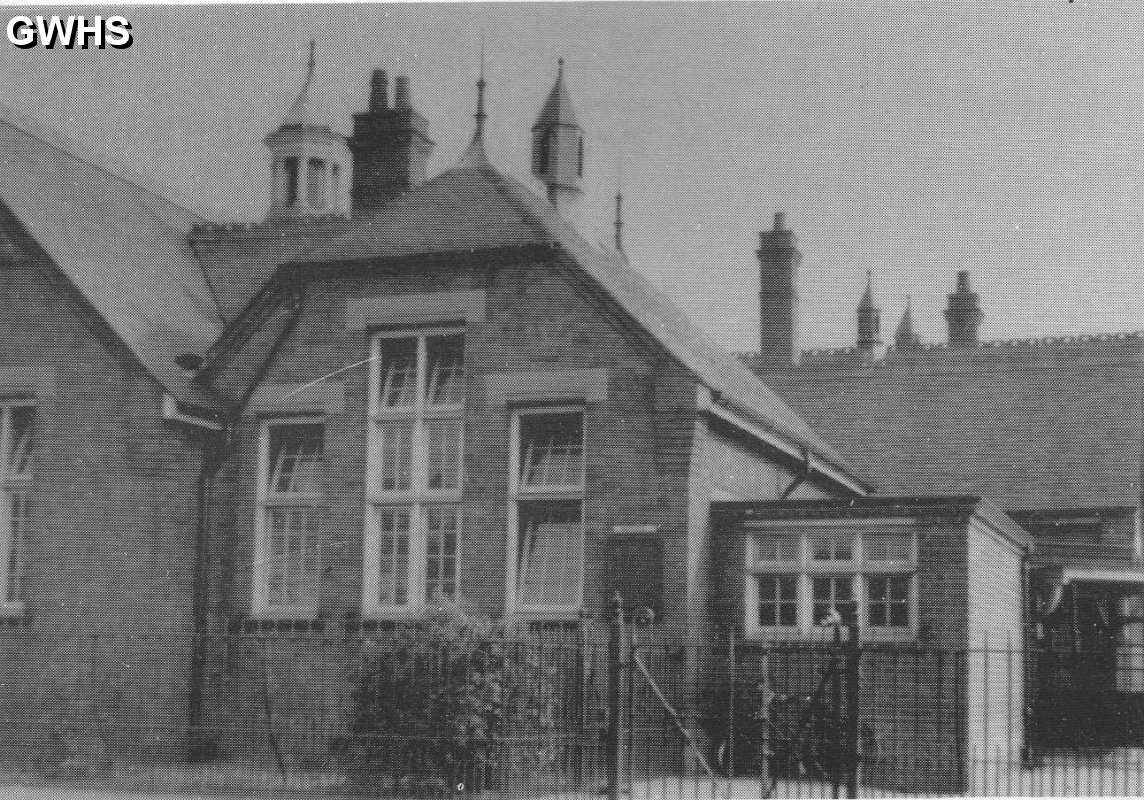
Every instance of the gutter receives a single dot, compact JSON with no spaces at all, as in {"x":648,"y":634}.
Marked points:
{"x":174,"y":411}
{"x":707,"y":402}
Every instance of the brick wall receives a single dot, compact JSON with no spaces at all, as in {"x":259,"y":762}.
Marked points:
{"x":110,"y":542}
{"x":538,"y":319}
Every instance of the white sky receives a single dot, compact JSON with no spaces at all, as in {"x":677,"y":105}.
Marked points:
{"x":914,"y":139}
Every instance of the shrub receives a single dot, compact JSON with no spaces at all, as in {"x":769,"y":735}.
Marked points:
{"x":457,"y":699}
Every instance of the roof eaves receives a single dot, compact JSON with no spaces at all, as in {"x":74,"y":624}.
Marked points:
{"x":795,"y":449}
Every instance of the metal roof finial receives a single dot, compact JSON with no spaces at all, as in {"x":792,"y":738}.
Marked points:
{"x":480,"y":115}
{"x":619,"y":222}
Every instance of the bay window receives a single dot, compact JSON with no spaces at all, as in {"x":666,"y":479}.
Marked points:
{"x":546,"y":526}
{"x":796,"y":579}
{"x":414,"y":471}
{"x":15,"y":449}
{"x":290,"y":493}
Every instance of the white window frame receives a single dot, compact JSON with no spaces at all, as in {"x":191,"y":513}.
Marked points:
{"x":260,"y":605}
{"x":805,"y":569}
{"x":518,"y":496}
{"x":418,"y":498}
{"x":10,"y":486}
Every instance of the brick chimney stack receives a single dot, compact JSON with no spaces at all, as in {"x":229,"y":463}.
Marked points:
{"x":963,"y":313}
{"x":779,"y":258}
{"x":390,"y":145}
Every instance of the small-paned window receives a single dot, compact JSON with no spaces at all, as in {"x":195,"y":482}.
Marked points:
{"x":414,"y":474}
{"x":287,"y":563}
{"x":16,"y":422}
{"x":798,"y":580}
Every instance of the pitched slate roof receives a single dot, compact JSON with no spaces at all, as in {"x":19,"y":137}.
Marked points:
{"x":473,"y":206}
{"x":557,"y":109}
{"x":122,"y":246}
{"x":1040,"y":424}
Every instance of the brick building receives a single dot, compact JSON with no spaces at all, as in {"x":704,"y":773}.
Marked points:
{"x":1049,"y":429}
{"x":398,"y":388}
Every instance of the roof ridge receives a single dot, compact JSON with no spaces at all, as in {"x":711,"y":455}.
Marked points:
{"x":991,"y":345}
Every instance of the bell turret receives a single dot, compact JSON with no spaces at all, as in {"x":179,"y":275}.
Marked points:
{"x":310,"y":164}
{"x":558,"y":146}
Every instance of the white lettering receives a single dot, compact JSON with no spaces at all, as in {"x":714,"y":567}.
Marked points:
{"x":21,"y":33}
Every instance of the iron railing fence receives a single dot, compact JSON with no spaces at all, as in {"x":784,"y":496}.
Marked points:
{"x":566,"y":713}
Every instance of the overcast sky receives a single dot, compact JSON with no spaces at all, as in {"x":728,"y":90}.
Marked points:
{"x":912,"y":139}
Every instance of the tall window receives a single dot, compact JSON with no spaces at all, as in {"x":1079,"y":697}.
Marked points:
{"x":287,"y":563}
{"x":413,"y":486}
{"x":15,"y":441}
{"x":546,"y":560}
{"x":316,"y":183}
{"x":796,"y":579}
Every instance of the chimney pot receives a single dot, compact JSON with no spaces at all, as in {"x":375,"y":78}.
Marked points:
{"x":401,"y":92}
{"x":379,"y":91}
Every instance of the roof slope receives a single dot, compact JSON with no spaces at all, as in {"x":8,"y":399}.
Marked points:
{"x":473,"y":206}
{"x":1044,"y":424}
{"x":122,"y":246}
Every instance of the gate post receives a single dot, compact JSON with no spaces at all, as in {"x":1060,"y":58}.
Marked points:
{"x":766,"y":698}
{"x":853,"y":722}
{"x":617,"y":663}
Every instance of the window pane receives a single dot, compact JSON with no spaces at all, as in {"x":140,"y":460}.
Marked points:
{"x":398,"y":381}
{"x":446,"y":379}
{"x":21,"y":439}
{"x":880,"y":547}
{"x":395,"y":455}
{"x":550,"y":557}
{"x":833,"y":593}
{"x":444,"y":453}
{"x":889,"y":600}
{"x":441,"y":548}
{"x":778,"y":548}
{"x":831,"y":548}
{"x":19,"y":512}
{"x":778,"y":600}
{"x":295,"y":461}
{"x":393,"y":540}
{"x":291,"y":556}
{"x":551,"y":450}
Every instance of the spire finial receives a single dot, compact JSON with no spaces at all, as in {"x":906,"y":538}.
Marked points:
{"x":480,"y":115}
{"x":310,"y":66}
{"x":560,"y":68}
{"x":619,"y":222}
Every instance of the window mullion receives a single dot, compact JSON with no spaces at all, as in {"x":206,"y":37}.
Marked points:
{"x":418,"y":534}
{"x":5,"y":439}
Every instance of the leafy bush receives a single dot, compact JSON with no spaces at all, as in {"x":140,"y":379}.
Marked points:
{"x":455,"y":700}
